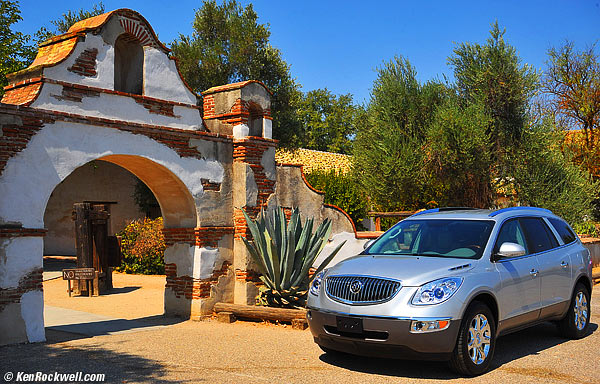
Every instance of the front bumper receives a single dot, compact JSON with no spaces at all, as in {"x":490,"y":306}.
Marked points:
{"x":382,"y":337}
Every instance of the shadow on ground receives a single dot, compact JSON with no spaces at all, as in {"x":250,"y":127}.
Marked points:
{"x":116,"y":291}
{"x":53,"y":357}
{"x":530,"y":341}
{"x":56,"y":265}
{"x":107,"y":327}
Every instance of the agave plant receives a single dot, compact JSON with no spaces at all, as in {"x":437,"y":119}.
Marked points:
{"x":285,"y":252}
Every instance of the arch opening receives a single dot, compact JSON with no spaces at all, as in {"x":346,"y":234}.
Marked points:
{"x":129,"y":64}
{"x":178,"y":211}
{"x":255,"y":121}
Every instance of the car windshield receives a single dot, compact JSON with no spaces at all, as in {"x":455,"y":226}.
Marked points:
{"x":465,"y":239}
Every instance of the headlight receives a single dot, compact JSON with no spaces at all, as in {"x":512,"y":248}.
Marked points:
{"x":437,"y":291}
{"x":315,"y":286}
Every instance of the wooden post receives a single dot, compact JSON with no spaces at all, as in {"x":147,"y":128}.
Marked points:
{"x":99,"y":221}
{"x":83,"y":236}
{"x":83,"y":241}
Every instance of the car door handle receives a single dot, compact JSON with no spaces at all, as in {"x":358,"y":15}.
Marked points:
{"x":564,"y":264}
{"x":534,"y":272}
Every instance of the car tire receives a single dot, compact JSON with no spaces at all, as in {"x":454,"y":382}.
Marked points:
{"x":476,"y":341}
{"x":577,"y":320}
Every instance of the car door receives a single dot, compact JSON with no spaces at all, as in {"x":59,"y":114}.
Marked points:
{"x":556,"y":268}
{"x":519,"y":295}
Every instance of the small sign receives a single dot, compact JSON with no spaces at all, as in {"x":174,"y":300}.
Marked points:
{"x":78,"y":273}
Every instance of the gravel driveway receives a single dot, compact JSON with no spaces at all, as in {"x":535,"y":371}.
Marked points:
{"x":245,"y":352}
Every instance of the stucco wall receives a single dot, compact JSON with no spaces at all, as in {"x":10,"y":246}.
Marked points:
{"x":94,"y":181}
{"x":593,"y":245}
{"x":292,"y":191}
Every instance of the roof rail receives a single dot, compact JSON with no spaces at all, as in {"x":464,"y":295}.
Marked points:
{"x":495,"y":213}
{"x":443,"y":209}
{"x":457,"y":209}
{"x":432,"y":210}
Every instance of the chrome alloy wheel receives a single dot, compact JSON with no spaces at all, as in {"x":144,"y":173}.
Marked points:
{"x":480,"y":335}
{"x":581,"y":310}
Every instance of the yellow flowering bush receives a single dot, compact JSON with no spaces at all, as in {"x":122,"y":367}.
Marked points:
{"x":143,"y":247}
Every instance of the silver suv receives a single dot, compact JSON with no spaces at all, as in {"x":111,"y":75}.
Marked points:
{"x":445,"y":283}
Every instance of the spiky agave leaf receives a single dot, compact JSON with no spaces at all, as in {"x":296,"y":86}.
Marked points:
{"x":285,"y":251}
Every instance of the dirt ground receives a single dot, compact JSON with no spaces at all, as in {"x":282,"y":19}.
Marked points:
{"x":133,"y":296}
{"x":244,"y":352}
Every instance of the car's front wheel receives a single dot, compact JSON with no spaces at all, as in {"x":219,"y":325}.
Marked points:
{"x":575,"y":323}
{"x":476,"y":341}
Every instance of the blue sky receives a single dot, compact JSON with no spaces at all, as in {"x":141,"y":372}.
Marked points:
{"x":339,"y":44}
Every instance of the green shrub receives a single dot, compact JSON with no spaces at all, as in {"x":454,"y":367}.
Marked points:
{"x":342,"y":191}
{"x":143,"y":247}
{"x":588,"y":228}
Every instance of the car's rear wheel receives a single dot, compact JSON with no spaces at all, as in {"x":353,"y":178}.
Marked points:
{"x":476,"y":342}
{"x":576,"y":322}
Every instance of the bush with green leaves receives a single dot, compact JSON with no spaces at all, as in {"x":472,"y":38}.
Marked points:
{"x":340,"y":190}
{"x":284,"y":252}
{"x":544,"y":175}
{"x":433,"y":144}
{"x":143,"y":247}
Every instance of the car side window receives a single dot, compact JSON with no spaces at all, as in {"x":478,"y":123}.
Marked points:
{"x":538,"y":235}
{"x":511,"y":232}
{"x":565,"y":233}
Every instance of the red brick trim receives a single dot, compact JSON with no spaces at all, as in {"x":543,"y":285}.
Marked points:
{"x":15,"y":137}
{"x":22,"y":232}
{"x":85,"y":64}
{"x":247,"y":275}
{"x":208,"y":185}
{"x":232,"y":86}
{"x":30,"y":282}
{"x":250,"y":151}
{"x":75,"y":94}
{"x":200,"y":236}
{"x":119,"y":93}
{"x":191,"y":288}
{"x":158,"y":108}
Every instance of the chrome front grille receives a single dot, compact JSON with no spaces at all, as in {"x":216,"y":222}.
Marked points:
{"x":361,"y":289}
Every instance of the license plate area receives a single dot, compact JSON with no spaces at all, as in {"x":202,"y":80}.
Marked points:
{"x":349,"y":324}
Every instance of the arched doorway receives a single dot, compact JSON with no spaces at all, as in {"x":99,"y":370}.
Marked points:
{"x":143,"y":281}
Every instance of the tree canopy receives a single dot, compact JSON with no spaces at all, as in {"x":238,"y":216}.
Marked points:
{"x":228,"y":45}
{"x":15,"y":51}
{"x":328,"y":121}
{"x":571,"y":84}
{"x":493,"y":75}
{"x":388,"y":150}
{"x":430,"y":144}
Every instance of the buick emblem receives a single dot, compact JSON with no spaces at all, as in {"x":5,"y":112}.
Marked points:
{"x":356,"y":286}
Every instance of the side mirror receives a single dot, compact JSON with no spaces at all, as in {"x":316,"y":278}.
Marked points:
{"x":508,"y":250}
{"x":368,"y":243}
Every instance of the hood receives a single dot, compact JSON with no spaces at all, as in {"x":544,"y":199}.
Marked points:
{"x":413,"y":271}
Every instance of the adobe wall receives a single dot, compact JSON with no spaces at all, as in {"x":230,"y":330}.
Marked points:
{"x":64,"y":112}
{"x":44,"y":148}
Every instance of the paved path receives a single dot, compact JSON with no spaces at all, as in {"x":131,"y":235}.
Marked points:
{"x":243,"y":352}
{"x":89,"y":324}
{"x":123,"y":336}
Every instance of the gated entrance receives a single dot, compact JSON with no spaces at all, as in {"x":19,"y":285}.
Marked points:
{"x":81,"y":100}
